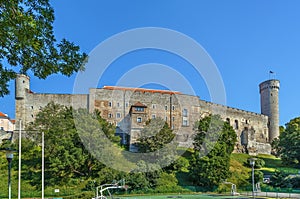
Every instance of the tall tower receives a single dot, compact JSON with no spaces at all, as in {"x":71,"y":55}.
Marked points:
{"x":270,"y":105}
{"x":21,"y":88}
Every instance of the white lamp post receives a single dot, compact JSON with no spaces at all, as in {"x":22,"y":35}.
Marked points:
{"x":252,"y":163}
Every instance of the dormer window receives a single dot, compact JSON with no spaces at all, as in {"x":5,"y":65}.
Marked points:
{"x":139,"y":109}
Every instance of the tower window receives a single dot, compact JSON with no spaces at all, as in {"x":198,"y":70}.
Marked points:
{"x":139,"y":119}
{"x":166,"y":107}
{"x":110,"y":104}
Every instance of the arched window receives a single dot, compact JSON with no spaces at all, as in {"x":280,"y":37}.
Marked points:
{"x":228,"y":120}
{"x":236,"y":124}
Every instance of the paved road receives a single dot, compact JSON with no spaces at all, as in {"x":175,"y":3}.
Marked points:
{"x":275,"y":195}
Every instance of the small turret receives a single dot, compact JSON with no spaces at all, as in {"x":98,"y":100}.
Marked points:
{"x":21,"y":86}
{"x":269,"y":91}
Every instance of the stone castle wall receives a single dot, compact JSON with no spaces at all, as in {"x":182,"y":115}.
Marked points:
{"x":180,"y":111}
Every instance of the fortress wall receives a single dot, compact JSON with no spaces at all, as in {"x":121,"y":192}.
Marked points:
{"x":251,"y":128}
{"x":185,"y":111}
{"x":35,"y":102}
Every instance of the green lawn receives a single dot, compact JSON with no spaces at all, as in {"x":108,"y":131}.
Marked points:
{"x":202,"y":196}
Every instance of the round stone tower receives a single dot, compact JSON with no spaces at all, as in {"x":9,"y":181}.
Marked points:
{"x":270,"y":105}
{"x":21,"y":86}
{"x":21,"y":89}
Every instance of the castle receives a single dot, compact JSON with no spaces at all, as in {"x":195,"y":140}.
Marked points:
{"x":130,"y":108}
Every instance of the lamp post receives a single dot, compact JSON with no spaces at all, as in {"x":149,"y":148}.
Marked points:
{"x":252,"y":163}
{"x":9,"y":157}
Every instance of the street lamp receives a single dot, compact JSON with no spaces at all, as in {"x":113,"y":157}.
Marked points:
{"x":252,"y":163}
{"x":9,"y":156}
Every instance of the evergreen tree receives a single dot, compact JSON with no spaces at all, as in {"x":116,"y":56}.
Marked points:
{"x":289,"y":142}
{"x":213,"y":145}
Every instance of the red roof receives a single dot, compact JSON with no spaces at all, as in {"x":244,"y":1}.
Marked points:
{"x":13,"y":121}
{"x":139,"y":104}
{"x":2,"y":114}
{"x":141,"y":90}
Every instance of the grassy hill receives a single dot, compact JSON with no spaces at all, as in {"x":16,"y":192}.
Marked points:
{"x":239,"y":168}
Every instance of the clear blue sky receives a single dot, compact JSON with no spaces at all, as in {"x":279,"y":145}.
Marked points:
{"x":246,"y":39}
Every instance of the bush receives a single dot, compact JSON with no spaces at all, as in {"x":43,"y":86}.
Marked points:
{"x":259,"y":163}
{"x":167,"y":183}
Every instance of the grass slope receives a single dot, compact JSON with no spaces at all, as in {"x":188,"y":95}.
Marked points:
{"x":238,"y":167}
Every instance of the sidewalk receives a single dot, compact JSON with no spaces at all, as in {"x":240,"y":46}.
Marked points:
{"x":274,"y":194}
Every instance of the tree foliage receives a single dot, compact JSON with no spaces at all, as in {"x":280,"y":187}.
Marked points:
{"x":288,"y":145}
{"x":155,"y":136}
{"x":157,"y":143}
{"x":27,"y":42}
{"x":213,"y":145}
{"x":65,"y":155}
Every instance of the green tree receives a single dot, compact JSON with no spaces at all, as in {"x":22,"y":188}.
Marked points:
{"x":27,"y":42}
{"x":155,"y":136}
{"x":278,"y":179}
{"x":65,"y":155}
{"x":289,"y":142}
{"x":258,"y":176}
{"x":157,"y":143}
{"x":213,"y":145}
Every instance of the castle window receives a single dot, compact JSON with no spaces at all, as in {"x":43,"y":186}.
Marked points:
{"x":173,"y":119}
{"x":126,"y":104}
{"x":139,"y":109}
{"x":31,"y":107}
{"x":110,"y":115}
{"x":153,"y":116}
{"x":166,"y":107}
{"x":173,"y":107}
{"x":236,"y":124}
{"x":166,"y":119}
{"x":185,"y":112}
{"x":118,"y":115}
{"x":228,"y":120}
{"x":110,"y":104}
{"x":139,"y":119}
{"x":184,"y":122}
{"x":118,"y":104}
{"x":154,"y":106}
{"x":173,"y":127}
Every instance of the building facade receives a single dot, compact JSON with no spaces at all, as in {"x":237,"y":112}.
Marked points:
{"x":130,"y":108}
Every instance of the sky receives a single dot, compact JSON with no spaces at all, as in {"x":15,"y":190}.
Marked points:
{"x":244,"y":39}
